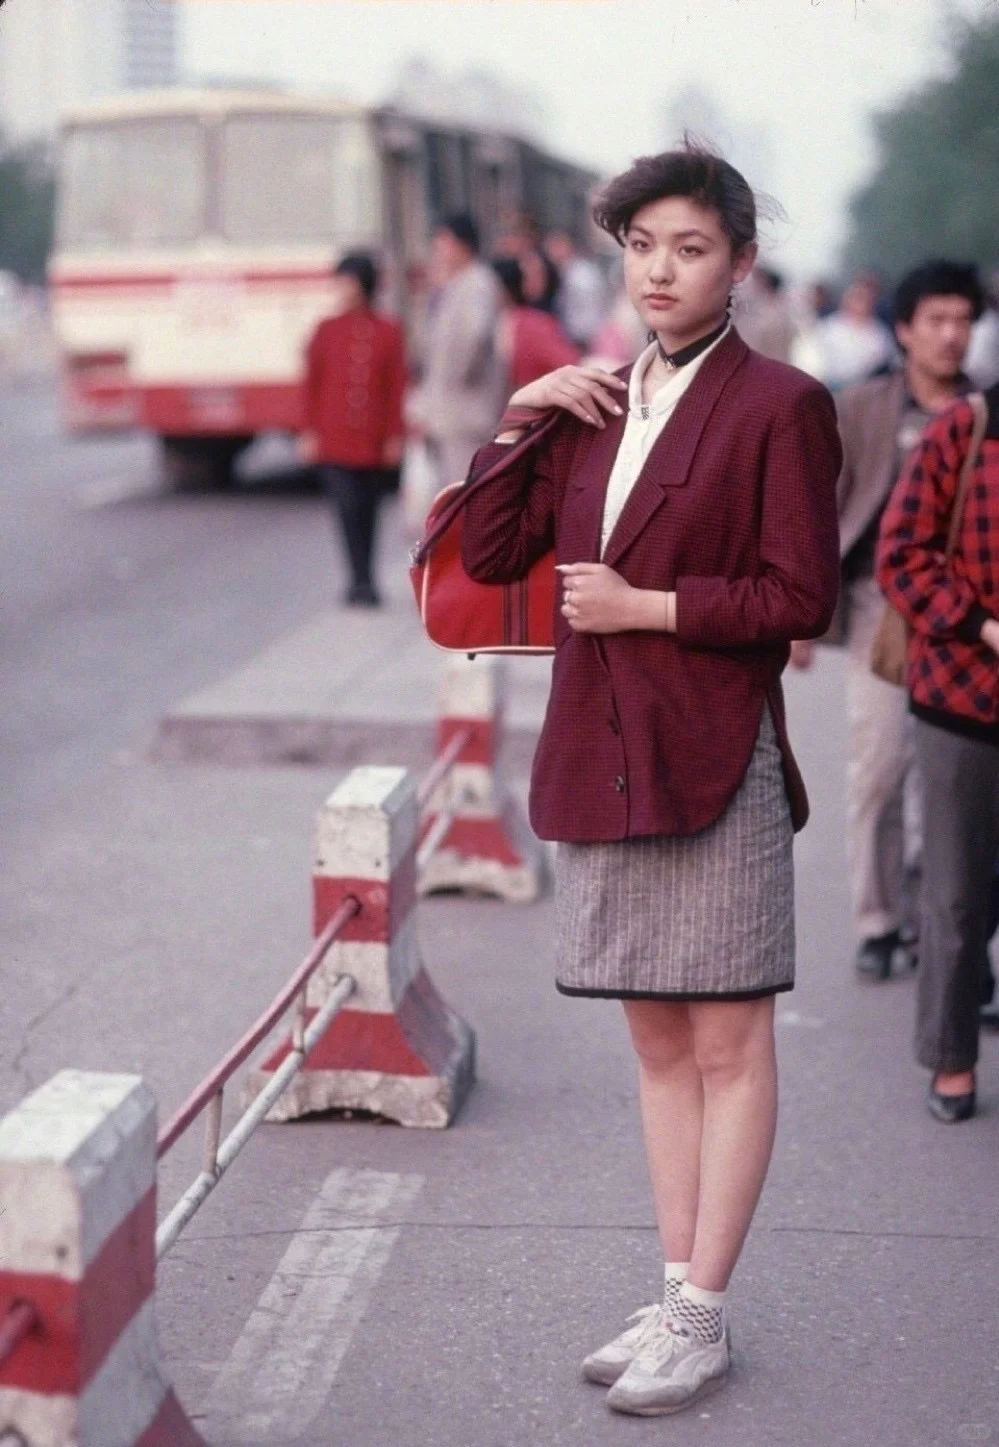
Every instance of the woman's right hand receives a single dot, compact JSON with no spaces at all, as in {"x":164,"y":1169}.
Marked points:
{"x":583,"y":391}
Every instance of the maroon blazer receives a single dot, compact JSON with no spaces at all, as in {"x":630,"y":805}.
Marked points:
{"x":735,"y":510}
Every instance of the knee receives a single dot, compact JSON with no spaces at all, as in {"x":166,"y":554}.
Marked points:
{"x":661,"y":1043}
{"x":726,"y":1056}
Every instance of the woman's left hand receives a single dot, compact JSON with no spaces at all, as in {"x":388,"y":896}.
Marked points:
{"x":595,"y":599}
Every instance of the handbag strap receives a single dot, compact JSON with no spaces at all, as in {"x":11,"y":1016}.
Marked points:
{"x":980,"y":408}
{"x":447,"y":515}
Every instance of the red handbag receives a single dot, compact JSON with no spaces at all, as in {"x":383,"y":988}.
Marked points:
{"x":463,"y":616}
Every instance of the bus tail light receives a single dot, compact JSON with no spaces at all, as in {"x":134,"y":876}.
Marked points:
{"x":98,"y":390}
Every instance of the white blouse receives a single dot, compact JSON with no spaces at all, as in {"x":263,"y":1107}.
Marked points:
{"x":644,"y":423}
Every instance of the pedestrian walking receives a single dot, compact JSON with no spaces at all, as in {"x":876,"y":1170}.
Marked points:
{"x":983,"y":353}
{"x":690,"y":502}
{"x":355,"y":378}
{"x":948,"y":598}
{"x":530,"y":342}
{"x":764,"y":317}
{"x":880,"y":422}
{"x":464,"y":384}
{"x":520,"y":239}
{"x":854,"y":343}
{"x":581,"y":302}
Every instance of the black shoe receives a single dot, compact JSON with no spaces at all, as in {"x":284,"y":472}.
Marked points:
{"x":875,"y":956}
{"x":988,"y":1017}
{"x":950,"y":1108}
{"x":363,"y":595}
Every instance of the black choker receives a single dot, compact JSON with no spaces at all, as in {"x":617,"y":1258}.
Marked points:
{"x":674,"y":360}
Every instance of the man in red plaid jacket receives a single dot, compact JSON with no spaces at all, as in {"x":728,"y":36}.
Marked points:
{"x":952,"y":607}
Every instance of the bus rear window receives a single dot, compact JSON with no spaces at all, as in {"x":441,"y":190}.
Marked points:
{"x":132,"y":185}
{"x":295,"y":179}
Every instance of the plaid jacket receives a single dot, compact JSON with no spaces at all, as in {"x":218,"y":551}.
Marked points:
{"x":949,"y":669}
{"x":735,"y":510}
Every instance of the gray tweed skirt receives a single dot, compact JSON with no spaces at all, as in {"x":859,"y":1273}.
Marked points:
{"x":706,"y":916}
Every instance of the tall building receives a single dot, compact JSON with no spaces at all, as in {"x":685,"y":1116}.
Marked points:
{"x":54,"y":54}
{"x":150,"y":43}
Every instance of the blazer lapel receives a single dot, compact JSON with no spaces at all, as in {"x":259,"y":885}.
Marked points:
{"x":589,"y":488}
{"x":668,"y":464}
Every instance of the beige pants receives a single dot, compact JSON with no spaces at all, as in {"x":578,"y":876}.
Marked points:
{"x":884,"y":831}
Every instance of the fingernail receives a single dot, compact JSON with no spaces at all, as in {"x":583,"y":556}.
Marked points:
{"x":617,"y":409}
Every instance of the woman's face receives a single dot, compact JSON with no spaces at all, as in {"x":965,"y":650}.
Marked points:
{"x":679,"y":268}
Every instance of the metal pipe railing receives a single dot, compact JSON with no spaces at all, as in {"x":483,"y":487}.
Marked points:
{"x":245,"y":1047}
{"x":442,"y":766}
{"x":219,"y":1155}
{"x":219,"y":1159}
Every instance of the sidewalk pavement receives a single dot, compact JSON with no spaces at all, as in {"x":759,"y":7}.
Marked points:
{"x":353,"y":685}
{"x":507,"y":1247}
{"x":864,"y":1306}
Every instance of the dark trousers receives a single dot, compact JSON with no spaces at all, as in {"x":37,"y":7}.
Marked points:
{"x":961,"y":806}
{"x":355,"y":493}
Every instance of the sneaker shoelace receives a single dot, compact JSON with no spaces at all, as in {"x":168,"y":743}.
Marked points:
{"x":646,"y":1319}
{"x":663,"y":1343}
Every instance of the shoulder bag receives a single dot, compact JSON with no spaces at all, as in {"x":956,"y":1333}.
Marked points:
{"x":463,"y":616}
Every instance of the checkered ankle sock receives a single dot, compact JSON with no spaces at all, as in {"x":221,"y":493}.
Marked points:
{"x":700,"y":1312}
{"x":676,"y":1274}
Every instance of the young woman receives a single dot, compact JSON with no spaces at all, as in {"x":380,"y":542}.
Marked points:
{"x":691,"y":506}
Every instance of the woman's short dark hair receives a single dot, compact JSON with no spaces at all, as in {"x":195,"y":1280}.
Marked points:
{"x":463,"y":228}
{"x":938,"y":278}
{"x":511,"y":276}
{"x":362,"y":268}
{"x":693,"y":171}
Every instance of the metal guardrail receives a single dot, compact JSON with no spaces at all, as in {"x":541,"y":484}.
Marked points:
{"x":431,"y":781}
{"x":209,"y":1094}
{"x":22,"y":1315}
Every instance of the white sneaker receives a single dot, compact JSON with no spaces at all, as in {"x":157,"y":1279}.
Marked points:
{"x":670,"y":1370}
{"x":607,"y":1364}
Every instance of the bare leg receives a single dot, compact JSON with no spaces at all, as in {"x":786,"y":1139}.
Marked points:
{"x":736,"y":1058}
{"x":672,"y":1107}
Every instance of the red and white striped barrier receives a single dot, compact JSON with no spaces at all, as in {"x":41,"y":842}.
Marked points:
{"x":396,"y":1048}
{"x":489,"y":847}
{"x":77,"y":1247}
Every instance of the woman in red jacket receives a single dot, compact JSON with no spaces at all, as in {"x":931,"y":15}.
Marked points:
{"x":530,"y":341}
{"x":691,"y":505}
{"x":355,"y":377}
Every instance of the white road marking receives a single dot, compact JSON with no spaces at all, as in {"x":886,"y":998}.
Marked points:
{"x":281,"y":1370}
{"x":103,"y":491}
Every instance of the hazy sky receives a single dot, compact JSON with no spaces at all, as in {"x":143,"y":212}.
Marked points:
{"x":799,"y":78}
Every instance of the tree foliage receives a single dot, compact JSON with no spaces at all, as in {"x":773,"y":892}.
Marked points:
{"x":26,"y":207}
{"x":935,"y":190}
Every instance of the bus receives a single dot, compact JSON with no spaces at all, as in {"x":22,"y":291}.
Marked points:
{"x":196,"y":232}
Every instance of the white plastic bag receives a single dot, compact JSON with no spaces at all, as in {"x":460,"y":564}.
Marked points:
{"x":420,"y":484}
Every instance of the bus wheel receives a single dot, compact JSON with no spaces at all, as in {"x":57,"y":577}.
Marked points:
{"x":200,"y":464}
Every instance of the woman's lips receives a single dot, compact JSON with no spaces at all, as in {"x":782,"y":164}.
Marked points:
{"x":657,"y":302}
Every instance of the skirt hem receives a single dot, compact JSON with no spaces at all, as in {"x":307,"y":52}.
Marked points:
{"x":678,"y":997}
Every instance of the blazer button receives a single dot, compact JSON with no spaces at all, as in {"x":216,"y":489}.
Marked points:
{"x":619,"y":784}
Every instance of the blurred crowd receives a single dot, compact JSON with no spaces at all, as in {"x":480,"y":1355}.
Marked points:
{"x":389,"y":412}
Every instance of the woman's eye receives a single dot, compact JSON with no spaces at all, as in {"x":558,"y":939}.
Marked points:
{"x":691,"y":251}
